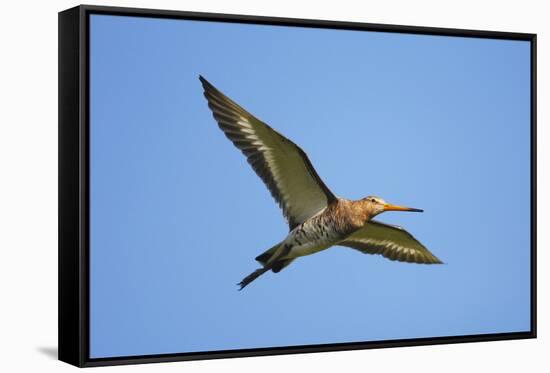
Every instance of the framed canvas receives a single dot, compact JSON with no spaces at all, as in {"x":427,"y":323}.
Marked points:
{"x":236,"y":186}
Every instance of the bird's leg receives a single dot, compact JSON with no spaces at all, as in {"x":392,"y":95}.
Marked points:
{"x":254,"y":275}
{"x":260,"y":271}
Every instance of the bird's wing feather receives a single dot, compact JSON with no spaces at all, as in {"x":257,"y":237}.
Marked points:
{"x":390,"y":241}
{"x":282,"y":165}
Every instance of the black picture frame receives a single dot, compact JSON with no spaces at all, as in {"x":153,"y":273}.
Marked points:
{"x":74,"y":184}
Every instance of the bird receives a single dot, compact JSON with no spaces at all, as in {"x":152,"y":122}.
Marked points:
{"x":317,"y":219}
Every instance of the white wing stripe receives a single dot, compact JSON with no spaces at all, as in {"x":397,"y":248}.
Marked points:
{"x":391,"y":242}
{"x":281,"y":164}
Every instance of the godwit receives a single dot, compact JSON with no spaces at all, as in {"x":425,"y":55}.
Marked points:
{"x":317,"y":219}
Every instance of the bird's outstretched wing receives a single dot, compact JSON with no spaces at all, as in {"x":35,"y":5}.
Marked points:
{"x":282,"y":165}
{"x":390,"y":241}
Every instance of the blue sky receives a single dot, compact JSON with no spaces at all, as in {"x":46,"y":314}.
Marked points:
{"x":177,"y":215}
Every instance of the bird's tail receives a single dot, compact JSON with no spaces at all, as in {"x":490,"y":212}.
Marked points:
{"x":270,"y":255}
{"x":269,"y":260}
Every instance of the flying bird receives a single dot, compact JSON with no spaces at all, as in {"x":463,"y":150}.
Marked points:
{"x":317,"y":219}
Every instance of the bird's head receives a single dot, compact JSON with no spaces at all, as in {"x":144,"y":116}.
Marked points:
{"x":374,"y":206}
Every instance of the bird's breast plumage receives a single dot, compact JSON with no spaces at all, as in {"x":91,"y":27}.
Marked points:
{"x":321,"y":231}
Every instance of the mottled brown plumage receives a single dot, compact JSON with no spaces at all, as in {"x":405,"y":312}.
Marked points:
{"x":317,"y":219}
{"x":351,"y":215}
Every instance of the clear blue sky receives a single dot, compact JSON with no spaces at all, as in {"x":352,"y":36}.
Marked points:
{"x":177,"y":215}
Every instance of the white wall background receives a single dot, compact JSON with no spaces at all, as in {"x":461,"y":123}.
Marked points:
{"x":28,"y":184}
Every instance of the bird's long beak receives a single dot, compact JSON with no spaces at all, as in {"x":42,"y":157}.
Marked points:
{"x":388,"y":207}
